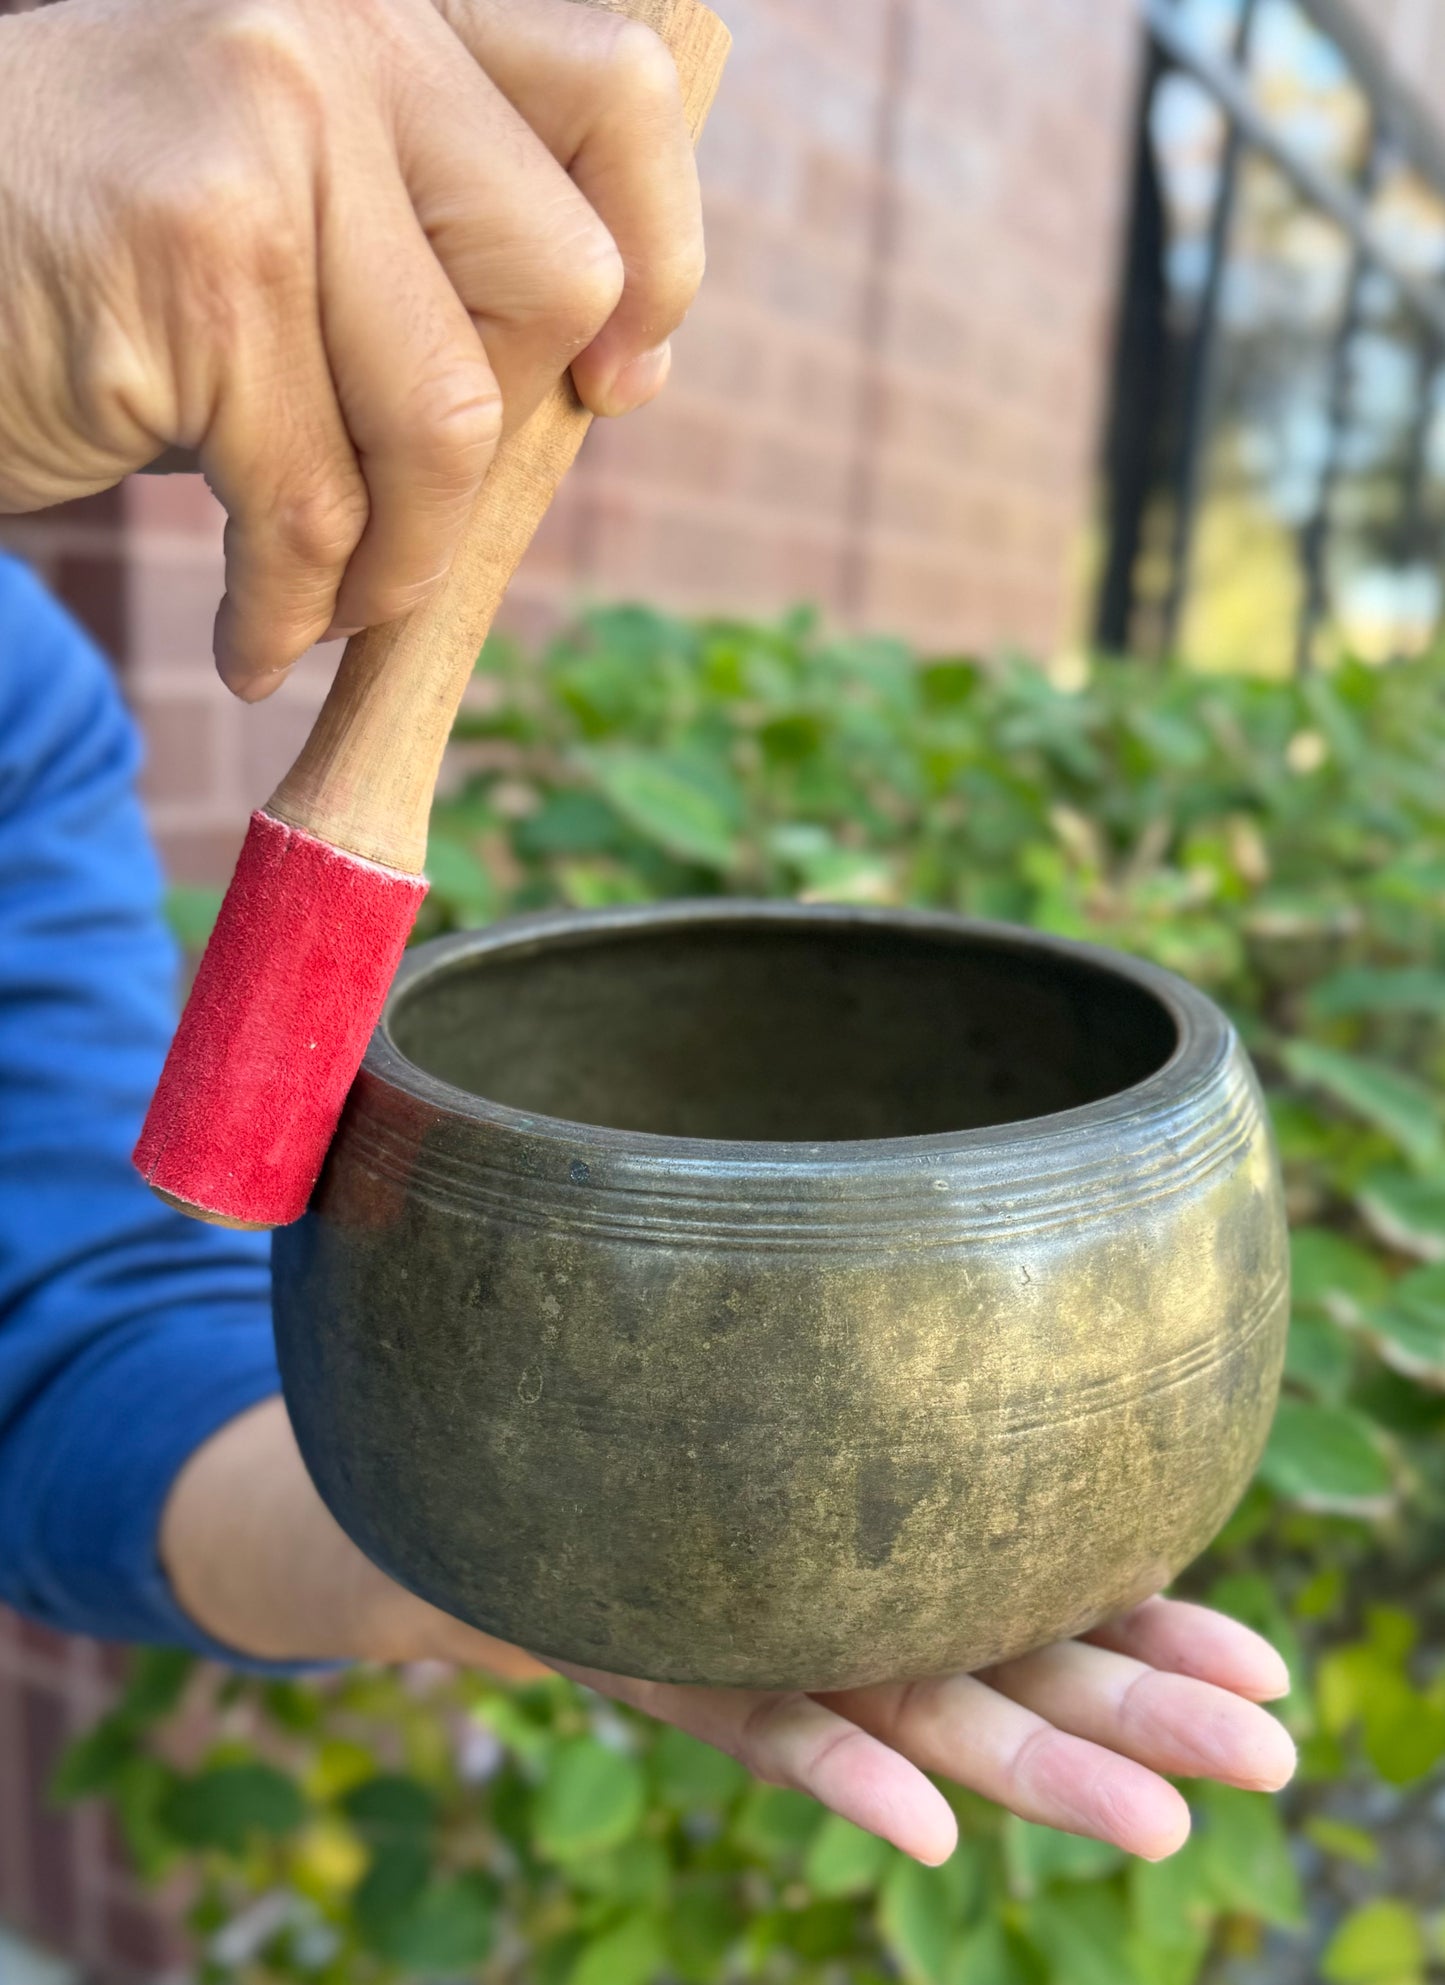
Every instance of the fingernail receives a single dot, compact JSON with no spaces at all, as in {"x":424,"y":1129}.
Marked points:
{"x":335,"y":633}
{"x":639,"y":379}
{"x":255,"y":688}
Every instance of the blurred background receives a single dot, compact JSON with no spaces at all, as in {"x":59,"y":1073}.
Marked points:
{"x":1082,"y":371}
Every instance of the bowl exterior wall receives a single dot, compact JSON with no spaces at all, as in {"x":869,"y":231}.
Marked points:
{"x":704,"y":1418}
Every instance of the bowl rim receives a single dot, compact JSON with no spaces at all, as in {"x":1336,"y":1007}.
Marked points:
{"x":1205,"y":1039}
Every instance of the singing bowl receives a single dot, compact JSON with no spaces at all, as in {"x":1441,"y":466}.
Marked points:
{"x":787,"y":1296}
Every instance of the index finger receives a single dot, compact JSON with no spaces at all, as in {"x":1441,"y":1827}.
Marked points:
{"x":602,"y":93}
{"x":1186,"y":1639}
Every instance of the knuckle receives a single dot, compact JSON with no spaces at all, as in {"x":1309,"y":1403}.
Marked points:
{"x":762,"y":1746}
{"x":583,"y":285}
{"x":321,"y":527}
{"x":264,"y":40}
{"x":123,"y":395}
{"x":640,"y":66}
{"x":455,"y":427}
{"x":226,"y":235}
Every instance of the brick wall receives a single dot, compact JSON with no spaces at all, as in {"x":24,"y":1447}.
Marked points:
{"x":63,"y":1877}
{"x":886,"y":401}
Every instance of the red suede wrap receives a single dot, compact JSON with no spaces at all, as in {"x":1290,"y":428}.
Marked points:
{"x":290,"y":988}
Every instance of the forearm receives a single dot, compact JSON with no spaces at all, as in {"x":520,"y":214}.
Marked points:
{"x":127,"y":1336}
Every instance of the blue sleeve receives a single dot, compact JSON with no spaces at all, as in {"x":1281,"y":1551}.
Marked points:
{"x":128,"y":1333}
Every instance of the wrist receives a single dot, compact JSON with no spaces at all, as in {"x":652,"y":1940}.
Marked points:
{"x":258,"y":1562}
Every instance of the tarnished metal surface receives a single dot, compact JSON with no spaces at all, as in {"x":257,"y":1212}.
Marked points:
{"x":821,"y":1296}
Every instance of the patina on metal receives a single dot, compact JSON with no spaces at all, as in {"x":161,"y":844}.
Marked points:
{"x":789,"y":1296}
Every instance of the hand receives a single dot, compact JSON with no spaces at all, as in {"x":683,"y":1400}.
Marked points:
{"x":1075,"y":1737}
{"x":337,"y":247}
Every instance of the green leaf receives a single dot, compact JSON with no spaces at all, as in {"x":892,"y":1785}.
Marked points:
{"x":568,"y":823}
{"x":1319,"y":1358}
{"x":1344,"y":1841}
{"x":668,"y":805}
{"x":1405,"y":1110}
{"x":157,"y":1681}
{"x":96,"y":1761}
{"x":139,"y":1799}
{"x":1407,"y":1212}
{"x":1409,"y":1329}
{"x":390,"y":1803}
{"x":1084,"y":1934}
{"x":229,"y":1804}
{"x":1245,"y":1855}
{"x":1373,"y":989}
{"x":1380,"y":1944}
{"x":686,"y":1772}
{"x":917,"y":1922}
{"x":844,"y":1860}
{"x":390,"y":1890}
{"x":191,"y":914}
{"x":592,"y":1797}
{"x":1335,"y":1275}
{"x":449,"y":1928}
{"x":638,"y":1871}
{"x":773,"y":1821}
{"x":459,"y":879}
{"x":631,"y":1953}
{"x":1327,"y":1458}
{"x":988,"y":1955}
{"x":820,"y":1930}
{"x":1038,"y":1855}
{"x":1173,"y":1903}
{"x":1404,"y":1735}
{"x":702,"y":1927}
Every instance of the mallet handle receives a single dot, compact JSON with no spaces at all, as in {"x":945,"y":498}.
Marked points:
{"x":365,"y":777}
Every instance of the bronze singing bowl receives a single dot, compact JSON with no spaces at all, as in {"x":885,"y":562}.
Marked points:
{"x":787,"y":1296}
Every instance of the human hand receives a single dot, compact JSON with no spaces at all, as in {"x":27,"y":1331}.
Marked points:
{"x":337,"y":248}
{"x":1078,"y":1736}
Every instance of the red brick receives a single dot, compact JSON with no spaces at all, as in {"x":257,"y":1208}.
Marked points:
{"x":43,"y":1646}
{"x":181,"y":750}
{"x":174,"y":504}
{"x":50,"y":1906}
{"x":173,"y":601}
{"x":139,"y":1936}
{"x":267,"y":736}
{"x":93,"y":586}
{"x":200,"y":854}
{"x":677,"y":443}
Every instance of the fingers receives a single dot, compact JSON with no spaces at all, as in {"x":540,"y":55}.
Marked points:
{"x":602,"y":93}
{"x":795,"y":1741}
{"x":1171,"y":1723}
{"x":459,"y":270}
{"x":418,"y":394}
{"x":530,"y":259}
{"x":279,"y":458}
{"x":966,"y":1731}
{"x":1194,"y":1640}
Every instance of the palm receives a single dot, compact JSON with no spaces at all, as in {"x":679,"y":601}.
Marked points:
{"x":1078,"y":1736}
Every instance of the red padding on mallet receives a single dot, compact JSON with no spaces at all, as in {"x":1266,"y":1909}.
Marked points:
{"x":291,"y":986}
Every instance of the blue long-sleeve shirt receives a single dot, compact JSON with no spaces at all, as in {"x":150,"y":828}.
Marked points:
{"x":128,"y":1333}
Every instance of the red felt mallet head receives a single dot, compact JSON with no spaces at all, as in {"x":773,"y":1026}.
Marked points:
{"x":329,"y":880}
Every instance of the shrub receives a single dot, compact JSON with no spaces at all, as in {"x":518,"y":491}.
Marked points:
{"x":1283,"y":846}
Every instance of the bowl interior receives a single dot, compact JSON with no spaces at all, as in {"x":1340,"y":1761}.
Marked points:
{"x":771,"y":1031}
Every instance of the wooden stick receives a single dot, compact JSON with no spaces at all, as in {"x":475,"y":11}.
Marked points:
{"x":365,"y":777}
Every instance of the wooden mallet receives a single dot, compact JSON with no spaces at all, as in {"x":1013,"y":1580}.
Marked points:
{"x":329,"y":879}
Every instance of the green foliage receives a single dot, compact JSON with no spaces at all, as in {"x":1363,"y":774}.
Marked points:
{"x":1284,"y":846}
